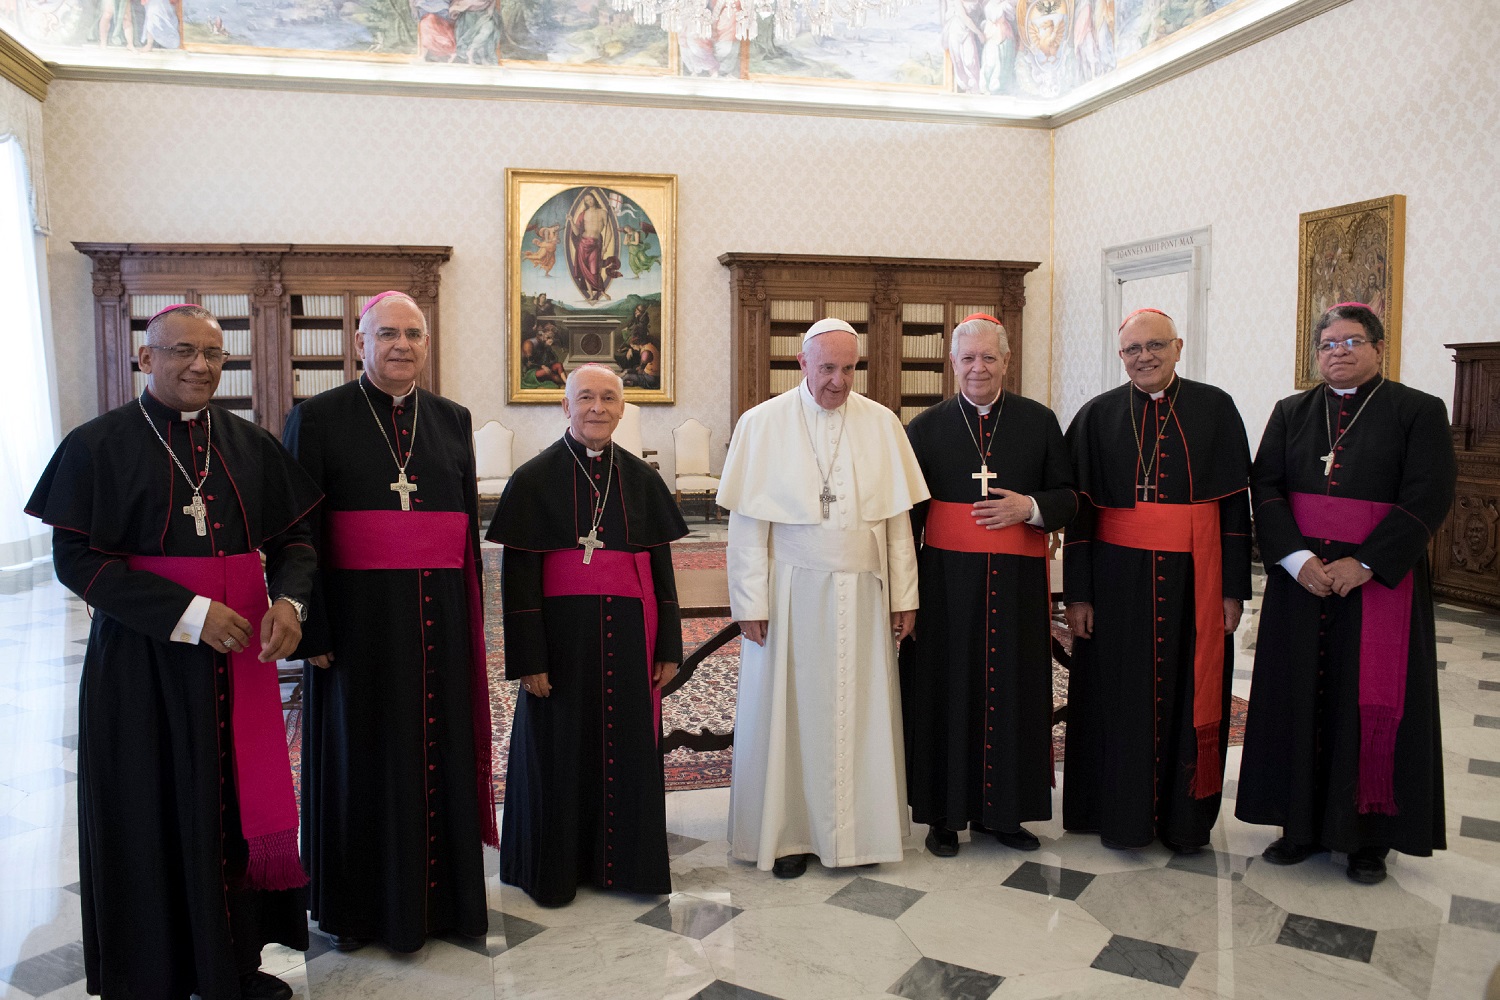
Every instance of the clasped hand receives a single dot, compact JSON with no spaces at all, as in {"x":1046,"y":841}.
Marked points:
{"x":1010,"y":508}
{"x":225,"y":631}
{"x":1341,"y":577}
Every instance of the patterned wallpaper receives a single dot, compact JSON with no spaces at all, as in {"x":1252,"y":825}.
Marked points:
{"x":163,"y":163}
{"x":1360,"y":102}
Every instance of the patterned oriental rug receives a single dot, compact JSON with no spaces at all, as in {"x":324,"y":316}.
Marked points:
{"x":707,"y":701}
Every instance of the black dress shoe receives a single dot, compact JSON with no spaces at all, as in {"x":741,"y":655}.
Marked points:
{"x":1367,"y":865}
{"x":259,"y":985}
{"x":1285,"y":851}
{"x":342,"y":943}
{"x":1019,"y":839}
{"x":942,"y":842}
{"x":791,"y":866}
{"x":1182,"y":850}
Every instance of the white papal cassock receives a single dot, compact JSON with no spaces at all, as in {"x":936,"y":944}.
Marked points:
{"x":818,"y":765}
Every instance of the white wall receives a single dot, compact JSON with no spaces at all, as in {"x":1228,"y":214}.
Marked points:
{"x":1364,"y":101}
{"x":164,"y":163}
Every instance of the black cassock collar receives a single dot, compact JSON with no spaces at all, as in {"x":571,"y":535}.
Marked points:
{"x":537,"y":511}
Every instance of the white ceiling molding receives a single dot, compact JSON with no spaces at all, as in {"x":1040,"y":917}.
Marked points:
{"x":1172,"y":58}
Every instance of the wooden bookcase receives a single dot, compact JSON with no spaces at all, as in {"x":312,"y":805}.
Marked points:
{"x":1466,"y":550}
{"x":289,"y":312}
{"x":904,"y":309}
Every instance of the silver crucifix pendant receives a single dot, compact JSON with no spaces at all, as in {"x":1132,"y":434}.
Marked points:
{"x":1327,"y":461}
{"x":590,"y":542}
{"x":827,"y":499}
{"x":200,"y":514}
{"x":405,"y":489}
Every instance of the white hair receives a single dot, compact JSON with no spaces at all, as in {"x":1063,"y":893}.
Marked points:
{"x":367,"y":321}
{"x":977,"y":328}
{"x":568,"y":388}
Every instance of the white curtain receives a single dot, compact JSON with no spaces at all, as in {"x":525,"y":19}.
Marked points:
{"x":28,"y":431}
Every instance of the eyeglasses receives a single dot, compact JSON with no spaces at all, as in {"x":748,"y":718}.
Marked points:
{"x":182,"y":352}
{"x":1329,"y":346}
{"x":388,"y":335}
{"x":1150,"y":347}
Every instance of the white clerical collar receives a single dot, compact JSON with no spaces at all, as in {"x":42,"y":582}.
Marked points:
{"x":984,"y":411}
{"x":401,"y":400}
{"x":1346,"y":392}
{"x":1158,"y":394}
{"x":188,"y":416}
{"x":591,"y":452}
{"x":809,"y":400}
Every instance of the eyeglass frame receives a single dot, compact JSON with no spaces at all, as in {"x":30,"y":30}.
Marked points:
{"x":176,"y":349}
{"x":395,"y":335}
{"x":1350,"y":344}
{"x":1147,"y":348}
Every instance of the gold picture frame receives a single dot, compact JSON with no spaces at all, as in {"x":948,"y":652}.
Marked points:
{"x":591,"y":278}
{"x":1350,"y":253}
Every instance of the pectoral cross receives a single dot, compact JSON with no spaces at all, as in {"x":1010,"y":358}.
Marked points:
{"x":1146,"y":490}
{"x":826,"y":498}
{"x":590,"y":542}
{"x":984,"y":475}
{"x":200,"y":514}
{"x":404,"y":488}
{"x":1327,"y":462}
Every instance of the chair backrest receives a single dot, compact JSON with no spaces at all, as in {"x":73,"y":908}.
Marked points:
{"x":690,"y":441}
{"x":628,"y":432}
{"x":492,"y":450}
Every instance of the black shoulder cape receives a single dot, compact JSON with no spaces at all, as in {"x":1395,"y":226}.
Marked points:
{"x":534,"y":514}
{"x":1102,"y":441}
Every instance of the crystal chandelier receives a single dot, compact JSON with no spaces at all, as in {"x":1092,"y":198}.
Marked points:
{"x":698,"y":18}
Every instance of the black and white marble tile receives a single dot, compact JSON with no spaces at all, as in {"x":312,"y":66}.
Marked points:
{"x":1156,"y":963}
{"x":878,"y":899}
{"x":1327,"y":937}
{"x":1049,"y":880}
{"x":930,"y":979}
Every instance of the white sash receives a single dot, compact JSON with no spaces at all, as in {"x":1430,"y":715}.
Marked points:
{"x":825,"y":550}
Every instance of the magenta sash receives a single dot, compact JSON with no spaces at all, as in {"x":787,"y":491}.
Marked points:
{"x":262,"y":766}
{"x":1384,"y":643}
{"x":428,"y":539}
{"x":612,"y":574}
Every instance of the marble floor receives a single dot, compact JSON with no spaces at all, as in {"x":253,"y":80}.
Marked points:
{"x":1071,"y":920}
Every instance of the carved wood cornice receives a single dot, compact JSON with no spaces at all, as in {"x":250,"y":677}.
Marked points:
{"x":107,"y":281}
{"x":268,"y":277}
{"x":752,"y":285}
{"x":903,"y":265}
{"x":22,"y":67}
{"x":435,"y":253}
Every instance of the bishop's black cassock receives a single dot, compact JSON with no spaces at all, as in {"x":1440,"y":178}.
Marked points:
{"x":584,"y":791}
{"x":976,"y":675}
{"x":1302,"y":761}
{"x":161,"y":856}
{"x":395,"y":789}
{"x":1133,"y":753}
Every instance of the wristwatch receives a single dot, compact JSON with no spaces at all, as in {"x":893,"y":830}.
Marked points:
{"x":297,"y":606}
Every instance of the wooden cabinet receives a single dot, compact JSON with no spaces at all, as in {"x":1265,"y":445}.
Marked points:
{"x":289,"y":312}
{"x":1465,"y":567}
{"x":904,"y":310}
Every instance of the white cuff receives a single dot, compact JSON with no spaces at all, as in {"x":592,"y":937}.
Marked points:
{"x":1293,"y":563}
{"x":1035,"y":520}
{"x":190,"y":626}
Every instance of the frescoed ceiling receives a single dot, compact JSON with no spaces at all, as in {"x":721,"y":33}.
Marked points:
{"x":1007,"y":60}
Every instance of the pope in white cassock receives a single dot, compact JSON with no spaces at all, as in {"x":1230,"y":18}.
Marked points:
{"x":823,"y":581}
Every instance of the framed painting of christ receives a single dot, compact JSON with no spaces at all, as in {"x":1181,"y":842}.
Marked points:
{"x":1352,"y":253}
{"x":591,"y":268}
